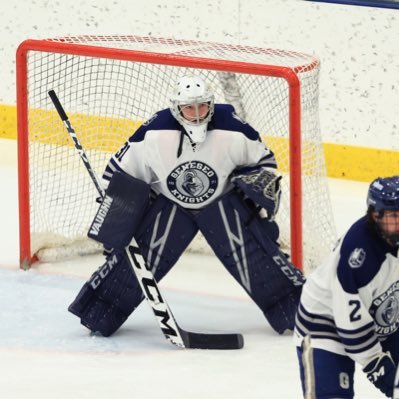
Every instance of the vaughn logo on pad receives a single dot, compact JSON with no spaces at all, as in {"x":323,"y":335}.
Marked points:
{"x":100,"y":216}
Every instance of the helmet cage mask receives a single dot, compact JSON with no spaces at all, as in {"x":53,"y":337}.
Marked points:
{"x":192,"y":92}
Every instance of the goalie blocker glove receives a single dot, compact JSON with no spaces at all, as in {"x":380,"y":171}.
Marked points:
{"x":121,"y":211}
{"x":381,"y":372}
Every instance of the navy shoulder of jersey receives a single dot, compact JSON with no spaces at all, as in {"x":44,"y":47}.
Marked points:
{"x":361,"y":255}
{"x":162,"y":120}
{"x":225,"y":118}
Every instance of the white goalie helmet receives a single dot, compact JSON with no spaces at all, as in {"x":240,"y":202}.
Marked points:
{"x":192,"y":104}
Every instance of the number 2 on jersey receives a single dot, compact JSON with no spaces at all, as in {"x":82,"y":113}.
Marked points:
{"x":354,"y":315}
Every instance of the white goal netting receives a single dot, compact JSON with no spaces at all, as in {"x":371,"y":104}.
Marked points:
{"x":109,"y":85}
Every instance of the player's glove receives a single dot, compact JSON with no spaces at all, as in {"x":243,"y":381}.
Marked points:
{"x":381,"y":372}
{"x":262,"y":186}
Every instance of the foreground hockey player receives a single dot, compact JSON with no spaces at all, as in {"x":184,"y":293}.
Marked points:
{"x":349,"y":308}
{"x":193,"y":166}
{"x":396,"y":387}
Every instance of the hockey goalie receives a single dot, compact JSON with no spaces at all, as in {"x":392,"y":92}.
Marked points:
{"x":195,"y":166}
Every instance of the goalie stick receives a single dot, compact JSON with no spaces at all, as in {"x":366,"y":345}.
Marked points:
{"x":171,"y":330}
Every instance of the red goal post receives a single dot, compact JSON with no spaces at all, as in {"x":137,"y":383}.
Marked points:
{"x":110,"y":84}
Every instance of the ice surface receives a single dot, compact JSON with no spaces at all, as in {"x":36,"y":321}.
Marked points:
{"x":46,"y":353}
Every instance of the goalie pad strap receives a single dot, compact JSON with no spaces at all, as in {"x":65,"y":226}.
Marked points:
{"x":254,"y":260}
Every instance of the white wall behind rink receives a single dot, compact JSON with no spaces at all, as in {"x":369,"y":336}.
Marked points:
{"x":358,"y":47}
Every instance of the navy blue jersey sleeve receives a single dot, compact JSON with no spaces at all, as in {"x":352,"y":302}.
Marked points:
{"x":225,"y":118}
{"x":362,"y":253}
{"x":162,"y":120}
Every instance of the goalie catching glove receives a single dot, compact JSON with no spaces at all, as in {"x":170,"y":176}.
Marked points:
{"x":262,"y":186}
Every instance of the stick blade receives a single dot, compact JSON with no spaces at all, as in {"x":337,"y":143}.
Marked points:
{"x":212,"y":341}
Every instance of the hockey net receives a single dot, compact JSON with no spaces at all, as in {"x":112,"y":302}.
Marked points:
{"x":109,"y":85}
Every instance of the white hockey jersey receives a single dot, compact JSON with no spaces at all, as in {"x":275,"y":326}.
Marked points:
{"x":351,"y":302}
{"x":159,"y":154}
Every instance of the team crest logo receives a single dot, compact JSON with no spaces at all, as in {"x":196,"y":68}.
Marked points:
{"x":357,"y":258}
{"x":385,"y":310}
{"x":192,"y":182}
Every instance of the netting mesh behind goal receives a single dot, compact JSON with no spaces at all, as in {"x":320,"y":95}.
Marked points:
{"x":106,"y":99}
